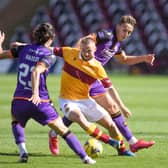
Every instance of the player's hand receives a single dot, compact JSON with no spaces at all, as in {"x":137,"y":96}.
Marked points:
{"x":127,"y":113}
{"x":150,"y":58}
{"x":35,"y":99}
{"x":2,"y":37}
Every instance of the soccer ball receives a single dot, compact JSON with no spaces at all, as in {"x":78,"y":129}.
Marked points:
{"x":93,"y":148}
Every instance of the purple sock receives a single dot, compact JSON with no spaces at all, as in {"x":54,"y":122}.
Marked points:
{"x":122,"y":126}
{"x":18,"y":132}
{"x":66,"y":121}
{"x":74,"y":144}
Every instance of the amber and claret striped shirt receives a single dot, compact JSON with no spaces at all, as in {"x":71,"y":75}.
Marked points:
{"x":78,"y":75}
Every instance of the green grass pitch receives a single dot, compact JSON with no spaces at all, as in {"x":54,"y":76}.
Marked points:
{"x":146,"y":97}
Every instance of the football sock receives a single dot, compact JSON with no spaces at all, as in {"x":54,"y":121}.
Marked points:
{"x":122,"y":126}
{"x":132,"y":141}
{"x":22,"y":148}
{"x":74,"y":144}
{"x":98,"y":134}
{"x":18,"y":132}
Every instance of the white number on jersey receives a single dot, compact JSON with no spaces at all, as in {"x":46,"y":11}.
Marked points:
{"x":25,"y":70}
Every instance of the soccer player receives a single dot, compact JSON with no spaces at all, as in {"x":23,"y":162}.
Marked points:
{"x":80,"y":70}
{"x":31,"y":98}
{"x":108,"y":44}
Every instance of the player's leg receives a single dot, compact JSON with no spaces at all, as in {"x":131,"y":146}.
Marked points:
{"x":53,"y":138}
{"x":103,"y":98}
{"x":101,"y":116}
{"x":107,"y":123}
{"x":47,"y":114}
{"x":18,"y":132}
{"x":70,"y":139}
{"x":110,"y":105}
{"x":72,"y":110}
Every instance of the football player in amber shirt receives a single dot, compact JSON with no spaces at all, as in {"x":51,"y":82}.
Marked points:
{"x":80,"y":70}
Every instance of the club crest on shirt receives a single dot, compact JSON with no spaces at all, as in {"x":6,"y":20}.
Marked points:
{"x":108,"y":53}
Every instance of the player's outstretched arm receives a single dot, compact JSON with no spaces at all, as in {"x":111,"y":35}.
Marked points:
{"x":131,"y":60}
{"x":16,"y":43}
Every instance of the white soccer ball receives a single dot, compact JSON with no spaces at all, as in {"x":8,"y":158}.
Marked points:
{"x":93,"y":148}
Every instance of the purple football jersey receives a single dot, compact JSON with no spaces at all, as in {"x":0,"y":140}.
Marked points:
{"x":107,"y":45}
{"x":28,"y":57}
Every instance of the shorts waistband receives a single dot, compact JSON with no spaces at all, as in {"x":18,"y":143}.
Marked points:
{"x":25,"y":98}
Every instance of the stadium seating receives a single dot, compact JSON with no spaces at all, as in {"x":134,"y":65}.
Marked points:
{"x":4,"y":3}
{"x":74,"y":18}
{"x":65,"y":22}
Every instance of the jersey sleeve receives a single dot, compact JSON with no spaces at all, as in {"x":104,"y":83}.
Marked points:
{"x":48,"y":60}
{"x":119,"y":51}
{"x":103,"y":36}
{"x":15,"y":51}
{"x":106,"y":82}
{"x":58,"y":51}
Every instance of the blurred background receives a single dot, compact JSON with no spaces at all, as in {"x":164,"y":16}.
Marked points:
{"x":73,"y":19}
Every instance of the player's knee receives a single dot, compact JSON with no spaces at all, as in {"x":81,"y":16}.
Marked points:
{"x":62,"y":130}
{"x":112,"y":108}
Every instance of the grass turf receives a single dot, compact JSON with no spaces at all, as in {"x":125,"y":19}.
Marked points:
{"x":147,"y":98}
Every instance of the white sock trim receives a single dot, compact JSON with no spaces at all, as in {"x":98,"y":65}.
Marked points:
{"x":22,"y":148}
{"x":133,"y":140}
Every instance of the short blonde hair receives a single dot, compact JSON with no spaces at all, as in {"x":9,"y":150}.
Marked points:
{"x":87,"y":40}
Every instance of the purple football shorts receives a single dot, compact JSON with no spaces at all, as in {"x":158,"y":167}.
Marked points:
{"x":96,"y":89}
{"x":24,"y":110}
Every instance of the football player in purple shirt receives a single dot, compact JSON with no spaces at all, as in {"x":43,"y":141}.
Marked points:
{"x":108,"y":43}
{"x":31,"y":98}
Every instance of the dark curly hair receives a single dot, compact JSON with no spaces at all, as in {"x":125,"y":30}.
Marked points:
{"x":43,"y":32}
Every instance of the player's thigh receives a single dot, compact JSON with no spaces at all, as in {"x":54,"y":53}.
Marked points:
{"x":107,"y":102}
